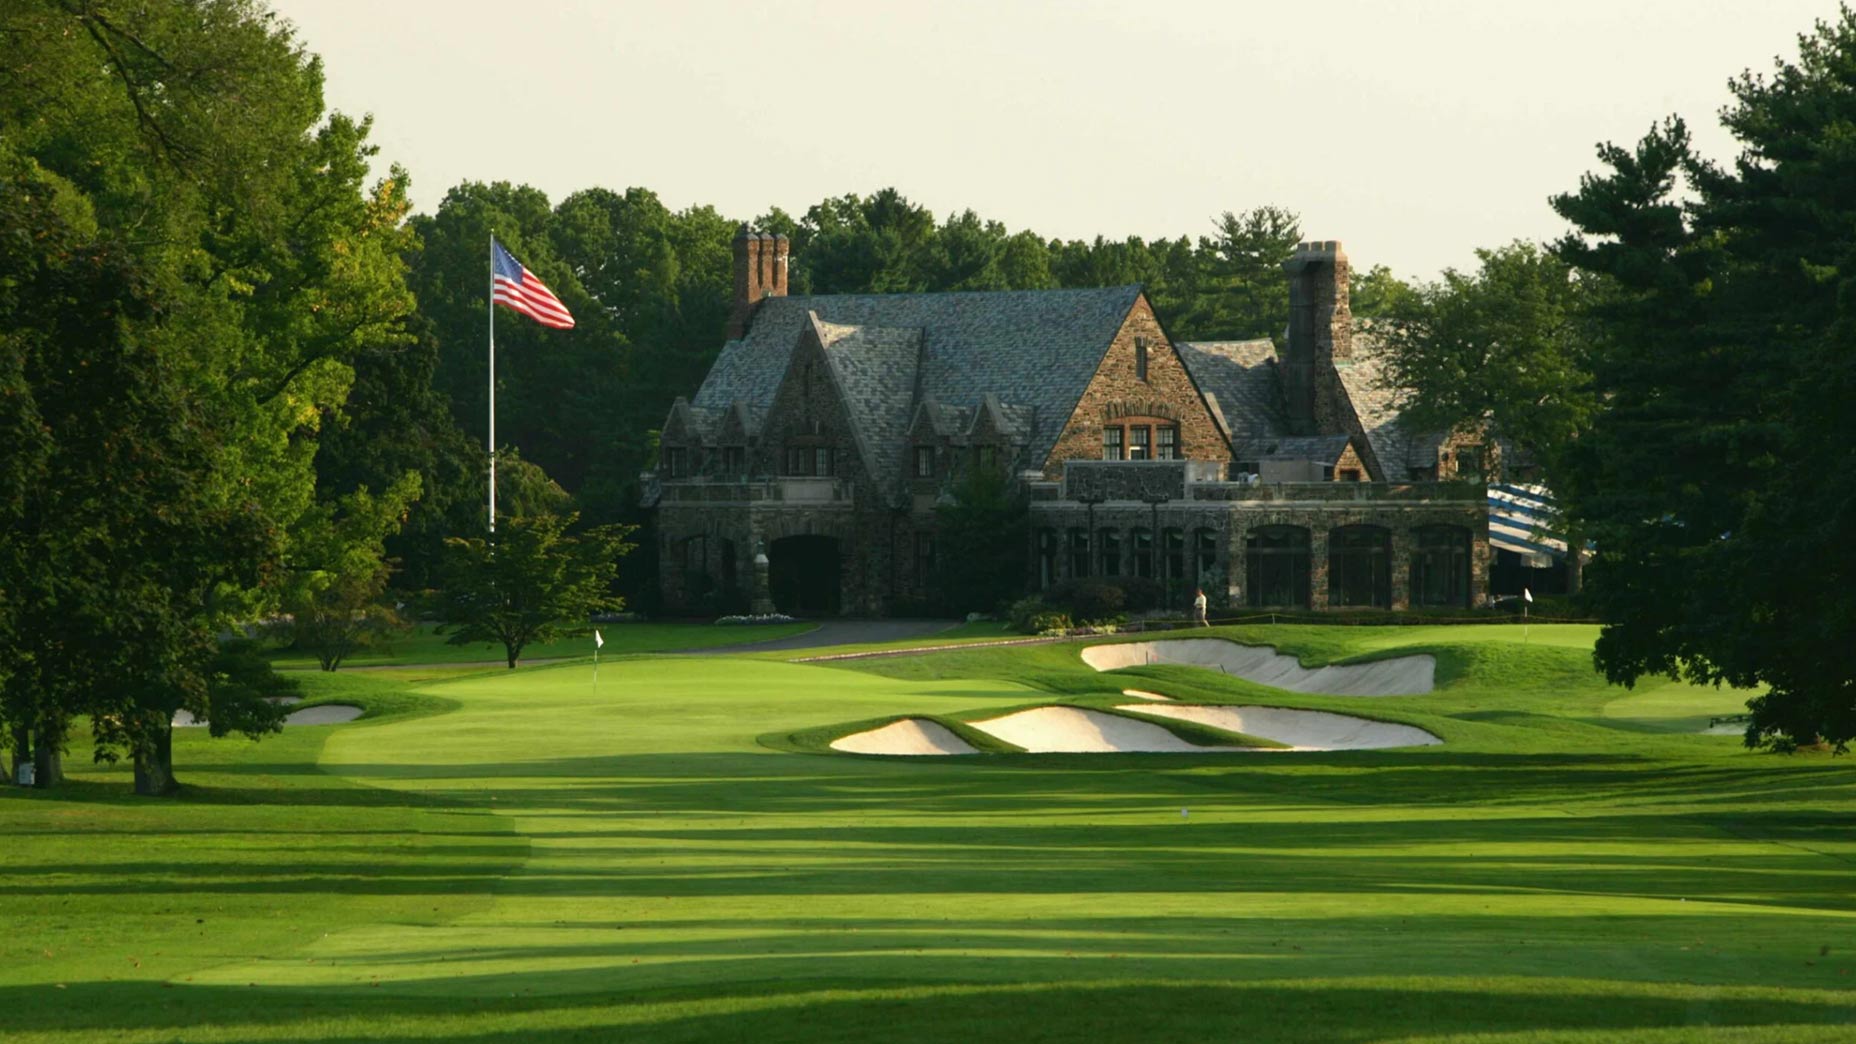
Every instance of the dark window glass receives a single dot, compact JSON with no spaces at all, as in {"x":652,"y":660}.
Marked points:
{"x":734,"y":460}
{"x":924,"y":560}
{"x":1140,"y":358}
{"x":1108,"y":560}
{"x":1167,"y":448}
{"x":986,"y":456}
{"x":1047,"y":558}
{"x":821,"y":461}
{"x":1276,"y":566}
{"x":1079,"y":552}
{"x":1360,"y":567}
{"x":1204,"y":556}
{"x":924,"y":462}
{"x":1173,"y":550}
{"x":1440,"y":566}
{"x":676,"y":461}
{"x":1143,"y":552}
{"x":1138,"y":437}
{"x":1111,"y":443}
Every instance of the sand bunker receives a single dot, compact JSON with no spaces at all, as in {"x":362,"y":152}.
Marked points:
{"x":1403,"y":676}
{"x":1072,"y":730}
{"x":1143,"y":694}
{"x":1301,"y":729}
{"x":908,"y":737}
{"x":322,"y":714}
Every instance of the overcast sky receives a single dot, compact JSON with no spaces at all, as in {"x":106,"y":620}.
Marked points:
{"x":1414,"y":132}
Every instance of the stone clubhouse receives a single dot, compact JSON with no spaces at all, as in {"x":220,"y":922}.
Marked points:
{"x":805,"y":472}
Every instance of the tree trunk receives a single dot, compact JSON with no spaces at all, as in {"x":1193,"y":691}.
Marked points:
{"x":47,"y":761}
{"x":154,"y":764}
{"x":22,"y":752}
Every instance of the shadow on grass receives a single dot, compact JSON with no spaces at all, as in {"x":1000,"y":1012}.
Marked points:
{"x":857,"y":1009}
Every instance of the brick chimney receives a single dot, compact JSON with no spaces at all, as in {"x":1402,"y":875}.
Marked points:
{"x":760,"y":272}
{"x":1320,"y":332}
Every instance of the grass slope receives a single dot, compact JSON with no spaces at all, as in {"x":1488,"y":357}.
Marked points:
{"x":500,"y":857}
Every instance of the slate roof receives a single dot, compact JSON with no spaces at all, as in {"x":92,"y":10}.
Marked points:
{"x":1322,"y":449}
{"x":875,"y":368}
{"x":1034,"y":349}
{"x":1241,"y":375}
{"x":1364,"y":379}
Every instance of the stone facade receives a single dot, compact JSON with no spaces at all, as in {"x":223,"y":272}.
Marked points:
{"x":806,"y":472}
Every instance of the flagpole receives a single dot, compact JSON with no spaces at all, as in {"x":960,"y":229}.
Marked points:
{"x":492,"y":440}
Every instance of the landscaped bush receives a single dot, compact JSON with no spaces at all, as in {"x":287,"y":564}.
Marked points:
{"x":1034,"y":616}
{"x":1087,"y":601}
{"x":1140,"y":594}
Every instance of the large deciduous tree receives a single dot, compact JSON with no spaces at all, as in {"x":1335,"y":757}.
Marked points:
{"x":220,"y":261}
{"x":1719,"y":479}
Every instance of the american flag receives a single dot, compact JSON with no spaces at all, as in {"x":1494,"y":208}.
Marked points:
{"x":517,"y":287}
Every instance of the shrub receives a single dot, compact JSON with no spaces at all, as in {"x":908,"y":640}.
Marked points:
{"x":1140,"y":594}
{"x":1087,"y":601}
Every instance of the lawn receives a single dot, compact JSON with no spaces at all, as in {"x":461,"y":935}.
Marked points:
{"x":502,"y":856}
{"x":426,"y":646}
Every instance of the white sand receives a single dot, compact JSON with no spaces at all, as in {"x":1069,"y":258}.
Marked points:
{"x":1403,"y":676}
{"x":1072,"y":730}
{"x":1143,"y":694}
{"x":323,"y":714}
{"x":1301,"y":729}
{"x":908,"y":737}
{"x":186,"y":720}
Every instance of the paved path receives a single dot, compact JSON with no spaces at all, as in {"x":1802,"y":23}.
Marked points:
{"x":835,"y":632}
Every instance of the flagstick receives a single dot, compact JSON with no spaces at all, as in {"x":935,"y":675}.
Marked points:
{"x":492,"y":442}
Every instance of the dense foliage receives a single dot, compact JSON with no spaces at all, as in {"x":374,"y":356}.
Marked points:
{"x":530,"y":581}
{"x":1718,"y":479}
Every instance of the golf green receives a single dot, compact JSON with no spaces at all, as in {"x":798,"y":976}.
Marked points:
{"x":499,"y":856}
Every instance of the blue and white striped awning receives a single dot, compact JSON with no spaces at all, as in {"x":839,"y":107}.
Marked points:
{"x":1518,"y":520}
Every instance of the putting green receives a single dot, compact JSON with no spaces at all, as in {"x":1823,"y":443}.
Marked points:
{"x":515,"y":856}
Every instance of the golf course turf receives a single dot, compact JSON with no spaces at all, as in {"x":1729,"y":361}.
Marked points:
{"x":502,"y":857}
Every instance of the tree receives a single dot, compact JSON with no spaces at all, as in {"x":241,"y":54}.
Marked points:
{"x":983,"y":534}
{"x":531,"y":581}
{"x":340,"y":571}
{"x":1717,"y":478}
{"x":1504,"y":347}
{"x":209,"y":260}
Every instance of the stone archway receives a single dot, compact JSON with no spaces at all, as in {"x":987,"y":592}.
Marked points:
{"x":803,"y":575}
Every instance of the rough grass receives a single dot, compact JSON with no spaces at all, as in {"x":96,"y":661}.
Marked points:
{"x":502,"y":857}
{"x":425,"y":646}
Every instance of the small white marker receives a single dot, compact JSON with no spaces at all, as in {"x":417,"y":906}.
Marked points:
{"x":1182,"y":813}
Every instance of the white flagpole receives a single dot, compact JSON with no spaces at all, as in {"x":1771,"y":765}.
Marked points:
{"x":597,"y":642}
{"x":492,"y":441}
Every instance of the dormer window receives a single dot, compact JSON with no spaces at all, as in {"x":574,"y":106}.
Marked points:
{"x":924,"y":462}
{"x":986,"y":457}
{"x":734,"y":460}
{"x":676,"y":461}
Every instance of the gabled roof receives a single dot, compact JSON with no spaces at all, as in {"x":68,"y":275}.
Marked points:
{"x":875,"y":369}
{"x":1376,"y":405}
{"x":937,"y":418}
{"x":692,"y":423}
{"x":1035,"y":349}
{"x":1241,"y":376}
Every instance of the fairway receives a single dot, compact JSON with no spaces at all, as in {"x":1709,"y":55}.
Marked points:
{"x":498,"y":856}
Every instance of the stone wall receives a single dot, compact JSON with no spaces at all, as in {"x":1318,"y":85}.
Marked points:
{"x":1116,"y":392}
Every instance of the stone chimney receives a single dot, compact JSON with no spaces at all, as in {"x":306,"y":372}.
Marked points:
{"x":1320,"y":332}
{"x":760,"y":272}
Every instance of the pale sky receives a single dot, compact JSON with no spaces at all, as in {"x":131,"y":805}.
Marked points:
{"x":1413,"y":132}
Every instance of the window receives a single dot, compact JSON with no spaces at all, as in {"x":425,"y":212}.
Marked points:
{"x":810,"y":460}
{"x":1469,"y":462}
{"x":1047,"y":559}
{"x":1360,"y":567}
{"x":1138,"y":443}
{"x":1111,"y":443}
{"x":1351,"y":475}
{"x":1143,"y":552}
{"x":822,"y":461}
{"x":1140,"y":358}
{"x":1173,"y":550}
{"x":986,"y":457}
{"x":734,"y":460}
{"x":1204,"y":557}
{"x":1108,"y":559}
{"x":1167,"y":446}
{"x":924,"y":462}
{"x":676,"y":461}
{"x":924,"y":560}
{"x":1079,"y":552}
{"x":1276,"y":566}
{"x":1440,"y":566}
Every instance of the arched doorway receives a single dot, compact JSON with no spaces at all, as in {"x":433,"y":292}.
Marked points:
{"x":802,"y":572}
